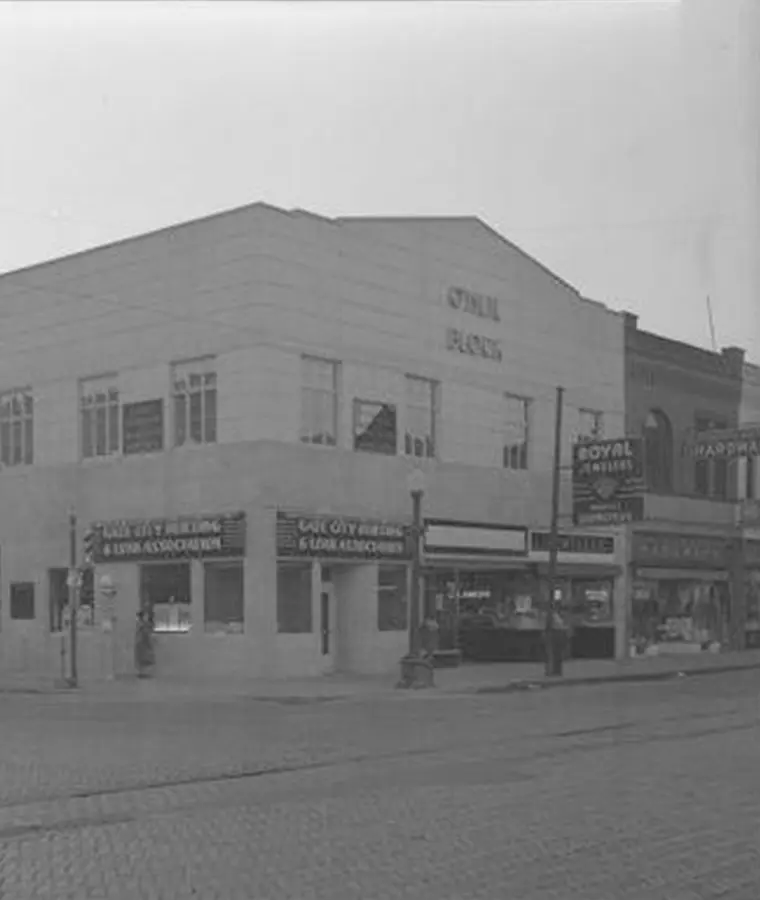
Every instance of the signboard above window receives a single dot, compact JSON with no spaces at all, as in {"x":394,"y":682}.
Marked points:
{"x":186,"y":537}
{"x":340,"y":537}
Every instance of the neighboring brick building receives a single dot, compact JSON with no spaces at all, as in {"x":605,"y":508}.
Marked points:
{"x":294,"y":369}
{"x":683,"y":556}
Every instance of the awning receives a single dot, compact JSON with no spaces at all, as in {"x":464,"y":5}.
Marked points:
{"x":477,"y":563}
{"x":581,"y":570}
{"x":647,"y":574}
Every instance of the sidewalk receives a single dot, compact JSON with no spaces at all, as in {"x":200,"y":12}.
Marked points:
{"x":469,"y":678}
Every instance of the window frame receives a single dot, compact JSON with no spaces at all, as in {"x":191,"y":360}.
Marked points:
{"x":13,"y":589}
{"x":227,"y":625}
{"x":707,"y":421}
{"x":112,"y":412}
{"x":598,"y":427}
{"x":431,"y":412}
{"x":183,"y":371}
{"x":306,"y":568}
{"x":309,"y":391}
{"x":523,"y":447}
{"x":21,"y":423}
{"x":359,"y":402}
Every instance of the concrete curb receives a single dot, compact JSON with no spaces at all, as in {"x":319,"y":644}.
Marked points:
{"x":631,"y":677}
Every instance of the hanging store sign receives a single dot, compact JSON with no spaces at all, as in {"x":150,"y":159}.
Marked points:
{"x":186,"y":537}
{"x":680,"y":550}
{"x":586,"y":544}
{"x":340,"y":537}
{"x":608,"y":481}
{"x":731,"y":443}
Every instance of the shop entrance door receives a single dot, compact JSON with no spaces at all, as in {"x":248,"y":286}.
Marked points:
{"x":327,"y":628}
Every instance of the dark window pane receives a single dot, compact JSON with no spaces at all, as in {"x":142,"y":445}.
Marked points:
{"x":165,"y":593}
{"x":223,"y":597}
{"x":720,"y":479}
{"x":210,"y":416}
{"x":113,"y":428}
{"x":180,"y":420}
{"x":375,"y":427}
{"x":29,"y":440}
{"x":22,"y":600}
{"x":100,"y":431}
{"x":294,"y":598}
{"x":701,"y":477}
{"x":17,"y":442}
{"x":87,"y":448}
{"x":751,"y":486}
{"x":392,"y":584}
{"x":196,"y":417}
{"x":5,"y":442}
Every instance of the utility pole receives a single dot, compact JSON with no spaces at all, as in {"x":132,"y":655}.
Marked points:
{"x":554,"y":653}
{"x":72,"y":584}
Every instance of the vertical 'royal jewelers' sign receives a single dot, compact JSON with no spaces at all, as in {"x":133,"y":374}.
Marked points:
{"x":482,"y":306}
{"x":608,"y":481}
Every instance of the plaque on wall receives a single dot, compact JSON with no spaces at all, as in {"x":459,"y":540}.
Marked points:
{"x":143,"y":427}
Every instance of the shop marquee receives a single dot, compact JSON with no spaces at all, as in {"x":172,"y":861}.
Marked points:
{"x":340,"y":537}
{"x":185,"y":537}
{"x":728,"y":444}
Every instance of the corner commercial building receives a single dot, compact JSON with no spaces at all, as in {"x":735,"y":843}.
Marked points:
{"x":238,"y":402}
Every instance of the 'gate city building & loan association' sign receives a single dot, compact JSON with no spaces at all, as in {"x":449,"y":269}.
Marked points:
{"x":340,"y":537}
{"x":608,"y":481}
{"x":186,"y":537}
{"x":484,"y":307}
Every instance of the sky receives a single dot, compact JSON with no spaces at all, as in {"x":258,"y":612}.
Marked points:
{"x":614,"y":141}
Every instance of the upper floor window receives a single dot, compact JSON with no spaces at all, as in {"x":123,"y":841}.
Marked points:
{"x":658,"y":440}
{"x":710,"y":475}
{"x":319,"y":401}
{"x":375,"y":427}
{"x":515,"y":447}
{"x":17,"y":428}
{"x":99,"y":408}
{"x":194,"y":394}
{"x":590,"y":425}
{"x":752,"y":468}
{"x":421,"y":417}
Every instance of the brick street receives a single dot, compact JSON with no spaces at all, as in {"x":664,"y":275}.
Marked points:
{"x":643,"y":792}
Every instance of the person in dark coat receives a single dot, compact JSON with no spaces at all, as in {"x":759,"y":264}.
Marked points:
{"x":144,"y":652}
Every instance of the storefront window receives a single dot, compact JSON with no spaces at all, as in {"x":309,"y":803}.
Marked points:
{"x":294,"y":598}
{"x":753,"y":609}
{"x":165,"y":593}
{"x":392,"y":582}
{"x":591,"y":603}
{"x":667,"y":612}
{"x":223,"y":598}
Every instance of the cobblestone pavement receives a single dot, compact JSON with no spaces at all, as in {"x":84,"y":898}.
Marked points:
{"x":642,"y":792}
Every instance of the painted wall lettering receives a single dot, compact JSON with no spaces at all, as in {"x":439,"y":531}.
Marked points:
{"x":473,"y":344}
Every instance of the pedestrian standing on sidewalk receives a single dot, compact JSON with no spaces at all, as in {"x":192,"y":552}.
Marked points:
{"x":144,"y":651}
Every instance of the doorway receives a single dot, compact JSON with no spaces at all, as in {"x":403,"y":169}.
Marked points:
{"x":327,"y":628}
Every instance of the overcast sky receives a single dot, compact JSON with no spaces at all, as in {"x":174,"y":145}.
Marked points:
{"x":611,"y":140}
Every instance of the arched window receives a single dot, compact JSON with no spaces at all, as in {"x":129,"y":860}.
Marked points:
{"x":658,"y":440}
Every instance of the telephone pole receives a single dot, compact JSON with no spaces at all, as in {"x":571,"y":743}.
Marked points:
{"x":553,"y":651}
{"x":73,"y":590}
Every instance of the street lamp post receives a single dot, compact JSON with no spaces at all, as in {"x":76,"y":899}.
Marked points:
{"x":416,"y":670}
